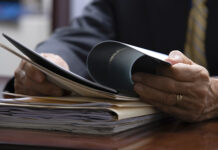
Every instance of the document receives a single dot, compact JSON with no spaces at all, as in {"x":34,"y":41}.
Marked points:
{"x":106,"y":105}
{"x":110,"y":64}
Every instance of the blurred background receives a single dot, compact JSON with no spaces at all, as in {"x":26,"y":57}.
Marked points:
{"x":31,"y":22}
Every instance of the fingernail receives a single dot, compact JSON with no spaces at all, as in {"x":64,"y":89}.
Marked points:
{"x":175,"y":55}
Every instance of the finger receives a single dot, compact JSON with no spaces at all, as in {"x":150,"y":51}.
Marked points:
{"x":150,"y":94}
{"x":155,"y":96}
{"x":56,"y":59}
{"x":162,"y":83}
{"x":178,"y":57}
{"x":177,"y":112}
{"x":188,"y":114}
{"x":51,"y":90}
{"x":19,"y":74}
{"x":20,"y":88}
{"x":22,"y":64}
{"x":184,"y":72}
{"x":30,"y":87}
{"x":33,"y":73}
{"x":44,"y":88}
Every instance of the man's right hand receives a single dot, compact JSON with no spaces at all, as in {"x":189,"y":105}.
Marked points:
{"x":31,"y":81}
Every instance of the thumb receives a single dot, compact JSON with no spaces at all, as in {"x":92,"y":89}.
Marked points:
{"x":178,"y":57}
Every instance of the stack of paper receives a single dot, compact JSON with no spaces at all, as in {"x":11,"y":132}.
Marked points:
{"x":107,"y":104}
{"x":75,"y":114}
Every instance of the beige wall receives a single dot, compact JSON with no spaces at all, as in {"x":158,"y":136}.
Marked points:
{"x":30,"y":30}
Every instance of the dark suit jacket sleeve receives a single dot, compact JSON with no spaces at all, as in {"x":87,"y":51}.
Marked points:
{"x":74,"y":42}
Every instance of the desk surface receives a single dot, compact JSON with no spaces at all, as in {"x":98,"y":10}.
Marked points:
{"x":168,"y":135}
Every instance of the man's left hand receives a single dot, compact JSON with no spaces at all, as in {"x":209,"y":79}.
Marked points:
{"x":184,"y":90}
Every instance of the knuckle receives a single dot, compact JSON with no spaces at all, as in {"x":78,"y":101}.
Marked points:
{"x":16,"y":73}
{"x":200,"y":74}
{"x":204,"y":75}
{"x":29,"y":69}
{"x":200,"y":91}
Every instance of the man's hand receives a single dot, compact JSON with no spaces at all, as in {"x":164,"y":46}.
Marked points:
{"x":31,"y":81}
{"x":184,"y":90}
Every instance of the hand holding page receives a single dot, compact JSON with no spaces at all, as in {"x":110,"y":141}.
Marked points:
{"x":95,"y":109}
{"x":110,"y":64}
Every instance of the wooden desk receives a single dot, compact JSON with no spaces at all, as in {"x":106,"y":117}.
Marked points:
{"x":169,"y":135}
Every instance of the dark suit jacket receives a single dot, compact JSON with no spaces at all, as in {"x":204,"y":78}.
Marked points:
{"x":154,"y":24}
